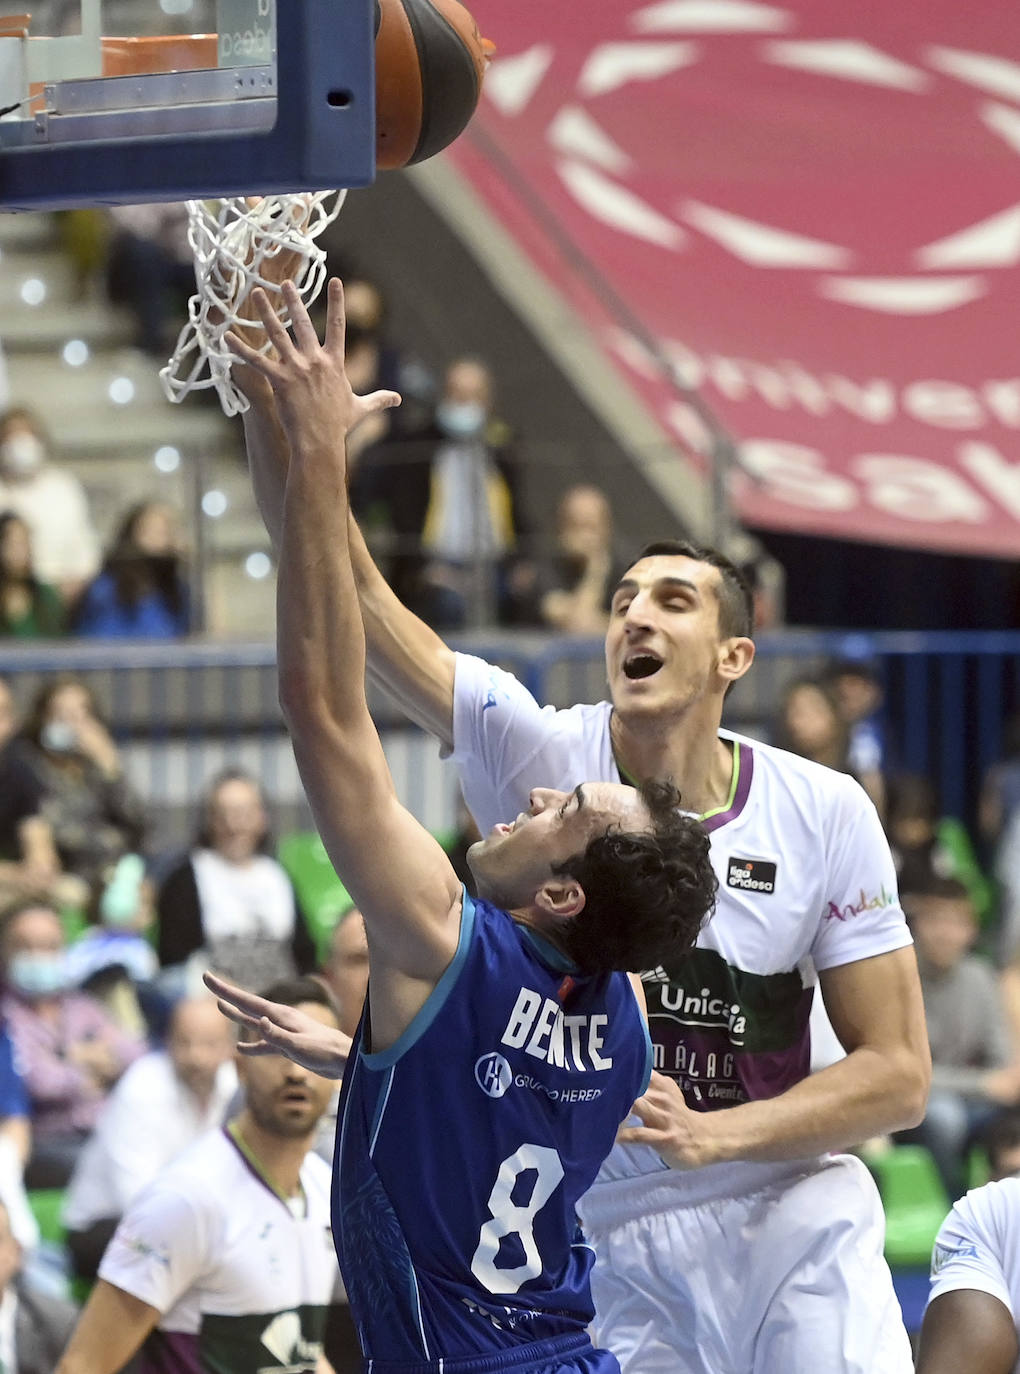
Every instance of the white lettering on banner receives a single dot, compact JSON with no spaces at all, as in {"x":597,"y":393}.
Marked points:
{"x":796,"y":473}
{"x":917,"y":490}
{"x":996,"y":473}
{"x":946,"y":404}
{"x":785,"y":384}
{"x":898,"y":484}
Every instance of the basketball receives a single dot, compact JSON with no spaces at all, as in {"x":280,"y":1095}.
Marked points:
{"x":430,"y":60}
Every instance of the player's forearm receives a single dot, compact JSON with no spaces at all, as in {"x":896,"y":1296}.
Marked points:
{"x":268,"y":457}
{"x":320,"y":635}
{"x":866,"y":1094}
{"x":405,"y":656}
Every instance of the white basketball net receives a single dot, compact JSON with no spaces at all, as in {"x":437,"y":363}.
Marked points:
{"x":236,"y":243}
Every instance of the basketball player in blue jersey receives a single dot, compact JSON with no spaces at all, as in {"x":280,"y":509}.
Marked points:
{"x":502,"y":1044}
{"x":732,"y":1230}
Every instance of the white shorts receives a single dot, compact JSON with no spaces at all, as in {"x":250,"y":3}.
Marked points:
{"x":784,"y":1275}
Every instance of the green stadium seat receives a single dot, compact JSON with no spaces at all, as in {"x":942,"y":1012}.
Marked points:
{"x":321,"y":895}
{"x":915,"y":1203}
{"x":46,"y":1205}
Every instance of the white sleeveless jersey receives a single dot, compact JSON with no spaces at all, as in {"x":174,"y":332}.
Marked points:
{"x":806,"y":882}
{"x":978,"y":1247}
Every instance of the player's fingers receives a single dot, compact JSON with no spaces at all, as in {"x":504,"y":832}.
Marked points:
{"x":273,"y":325}
{"x":335,"y":336}
{"x":261,"y":362}
{"x":255,"y":1049}
{"x":380,"y":400}
{"x":304,"y":331}
{"x":239,"y":999}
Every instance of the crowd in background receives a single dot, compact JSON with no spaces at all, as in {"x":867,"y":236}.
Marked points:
{"x":112,"y":1058}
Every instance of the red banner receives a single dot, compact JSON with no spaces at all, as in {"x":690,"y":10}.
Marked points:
{"x":809,"y":212}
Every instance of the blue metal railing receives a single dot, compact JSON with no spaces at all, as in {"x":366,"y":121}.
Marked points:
{"x":181,"y":711}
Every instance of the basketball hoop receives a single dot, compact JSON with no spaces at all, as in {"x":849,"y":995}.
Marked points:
{"x":238,"y":244}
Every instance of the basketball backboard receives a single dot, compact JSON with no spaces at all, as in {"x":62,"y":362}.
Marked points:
{"x":108,"y":107}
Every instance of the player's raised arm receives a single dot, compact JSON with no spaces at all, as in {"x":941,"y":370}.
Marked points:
{"x":397,"y":874}
{"x":405,"y":656}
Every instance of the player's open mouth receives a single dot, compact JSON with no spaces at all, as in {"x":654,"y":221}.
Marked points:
{"x":641,"y":665}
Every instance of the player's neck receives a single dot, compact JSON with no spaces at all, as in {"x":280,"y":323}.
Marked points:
{"x":689,"y":752}
{"x":276,"y":1159}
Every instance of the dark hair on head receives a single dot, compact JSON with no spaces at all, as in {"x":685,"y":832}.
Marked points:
{"x":910,"y":796}
{"x":941,"y":890}
{"x":647,"y":893}
{"x":136,"y":574}
{"x":21,"y":415}
{"x":733,"y":593}
{"x":13,"y":910}
{"x":203,"y":833}
{"x":1001,"y":1135}
{"x":295,"y":992}
{"x":35,"y":718}
{"x":47,"y":612}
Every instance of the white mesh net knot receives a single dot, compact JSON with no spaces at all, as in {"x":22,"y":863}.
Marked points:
{"x":240,"y":244}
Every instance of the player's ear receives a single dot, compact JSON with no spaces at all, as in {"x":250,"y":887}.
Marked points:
{"x":561,"y":897}
{"x":735,"y":657}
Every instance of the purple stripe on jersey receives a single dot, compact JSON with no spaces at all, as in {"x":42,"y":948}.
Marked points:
{"x":741,"y":794}
{"x":712,"y":1075}
{"x":170,"y":1352}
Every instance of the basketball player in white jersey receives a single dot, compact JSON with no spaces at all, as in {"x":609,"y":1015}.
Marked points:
{"x":731,"y":1233}
{"x":973,"y":1317}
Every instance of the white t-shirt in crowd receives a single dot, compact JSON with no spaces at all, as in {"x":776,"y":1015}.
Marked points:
{"x":978,"y":1247}
{"x":806,"y":883}
{"x":148,"y":1120}
{"x":242,"y":1282}
{"x":52,"y":503}
{"x":255,"y":899}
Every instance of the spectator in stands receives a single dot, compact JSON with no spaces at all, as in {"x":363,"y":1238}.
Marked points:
{"x":15,"y":1144}
{"x":346,"y":968}
{"x":164,"y":1102}
{"x":29,"y":862}
{"x":151,"y":270}
{"x":229,"y":904}
{"x":857,"y":687}
{"x":1000,"y":788}
{"x":52,"y":503}
{"x":114,"y":960}
{"x":974,"y":1071}
{"x":1001,"y":1144}
{"x":572,"y":592}
{"x":142,"y":591}
{"x":449,"y":497}
{"x":927,"y":846}
{"x":29,"y":609}
{"x":93,"y":811}
{"x":810,"y":724}
{"x":69,"y":1050}
{"x":34,"y":1327}
{"x":224,"y":1261}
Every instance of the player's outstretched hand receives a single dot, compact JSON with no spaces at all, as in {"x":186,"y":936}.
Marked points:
{"x":316,"y":402}
{"x":282,"y":1030}
{"x":681,"y":1137}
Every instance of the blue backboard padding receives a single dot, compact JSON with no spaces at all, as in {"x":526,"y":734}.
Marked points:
{"x":323,"y":46}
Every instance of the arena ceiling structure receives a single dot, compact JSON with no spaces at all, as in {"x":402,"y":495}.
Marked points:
{"x":801,"y":218}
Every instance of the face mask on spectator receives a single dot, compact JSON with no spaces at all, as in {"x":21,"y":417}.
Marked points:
{"x":460,"y":419}
{"x":58,"y":736}
{"x":37,"y":975}
{"x":22,"y":454}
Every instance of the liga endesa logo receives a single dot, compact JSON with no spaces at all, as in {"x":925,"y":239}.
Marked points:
{"x":751,"y":875}
{"x":932,"y":269}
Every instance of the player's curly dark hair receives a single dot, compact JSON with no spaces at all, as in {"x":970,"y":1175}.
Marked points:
{"x":647,"y":894}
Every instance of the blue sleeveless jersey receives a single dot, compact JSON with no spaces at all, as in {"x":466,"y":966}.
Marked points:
{"x":463,"y":1149}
